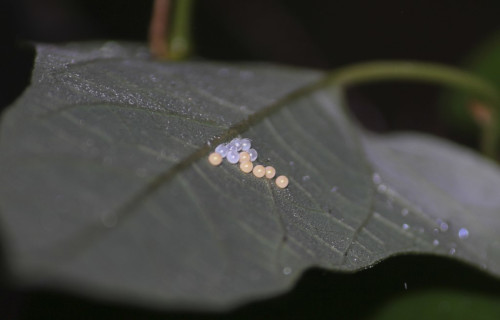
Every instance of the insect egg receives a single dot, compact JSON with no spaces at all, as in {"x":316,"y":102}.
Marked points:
{"x":233,"y":156}
{"x":253,"y":154}
{"x":236,"y":143}
{"x":246,"y":166}
{"x":259,"y":171}
{"x":245,"y":144}
{"x":231,"y":151}
{"x":222,"y":149}
{"x":215,"y":159}
{"x":270,"y":172}
{"x":282,"y":181}
{"x":244,"y":156}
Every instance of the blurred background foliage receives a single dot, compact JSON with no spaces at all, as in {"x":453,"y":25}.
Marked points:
{"x":315,"y":34}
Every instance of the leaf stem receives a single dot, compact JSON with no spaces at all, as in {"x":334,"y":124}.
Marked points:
{"x":429,"y":72}
{"x":158,"y":29}
{"x":180,"y":43}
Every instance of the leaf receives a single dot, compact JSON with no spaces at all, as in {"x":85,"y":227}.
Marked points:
{"x":106,"y":190}
{"x":440,"y":304}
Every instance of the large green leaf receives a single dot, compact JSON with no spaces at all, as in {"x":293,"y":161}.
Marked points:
{"x":440,"y":304}
{"x":106,"y":190}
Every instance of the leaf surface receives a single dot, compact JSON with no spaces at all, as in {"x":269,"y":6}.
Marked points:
{"x":106,"y":190}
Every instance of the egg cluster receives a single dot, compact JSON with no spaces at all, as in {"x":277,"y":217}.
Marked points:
{"x":241,"y":151}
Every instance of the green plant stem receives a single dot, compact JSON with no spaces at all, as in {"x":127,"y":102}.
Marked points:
{"x":429,"y":72}
{"x":158,"y":29}
{"x":180,"y":43}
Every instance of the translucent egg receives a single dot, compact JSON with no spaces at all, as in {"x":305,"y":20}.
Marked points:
{"x":222,"y":149}
{"x":246,"y":144}
{"x":232,"y":147}
{"x":253,"y":154}
{"x":236,"y":143}
{"x":233,"y":156}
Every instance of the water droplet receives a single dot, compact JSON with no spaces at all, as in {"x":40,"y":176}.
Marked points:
{"x":405,"y":212}
{"x":435,"y":242}
{"x":306,"y":178}
{"x":405,"y":226}
{"x":463,"y":233}
{"x":443,"y":226}
{"x":376,"y":178}
{"x":382,"y":188}
{"x":287,"y":271}
{"x":452,"y":251}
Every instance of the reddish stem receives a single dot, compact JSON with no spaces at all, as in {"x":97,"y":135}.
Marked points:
{"x":158,"y":29}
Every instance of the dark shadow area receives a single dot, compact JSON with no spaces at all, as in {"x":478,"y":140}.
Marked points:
{"x":405,"y":106}
{"x":16,"y":58}
{"x":319,"y":294}
{"x":315,"y":34}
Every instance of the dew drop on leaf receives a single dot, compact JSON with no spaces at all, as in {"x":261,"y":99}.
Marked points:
{"x":463,"y":233}
{"x":443,"y":226}
{"x":287,"y":271}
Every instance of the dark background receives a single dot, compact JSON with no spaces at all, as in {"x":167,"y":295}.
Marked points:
{"x":316,"y":34}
